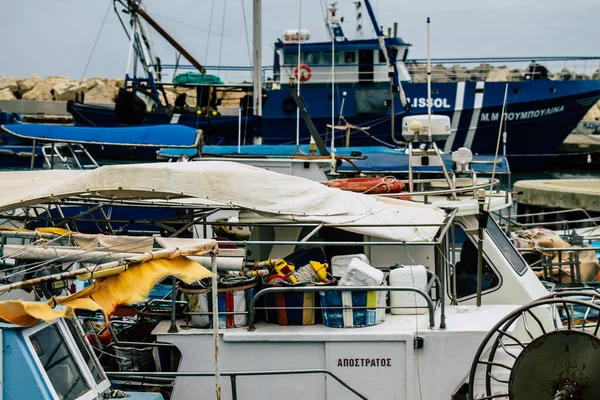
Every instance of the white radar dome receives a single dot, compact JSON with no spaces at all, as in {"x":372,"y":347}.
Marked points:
{"x":416,"y":128}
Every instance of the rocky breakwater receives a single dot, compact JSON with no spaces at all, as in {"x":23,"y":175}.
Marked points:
{"x":95,"y":90}
{"x":57,"y":88}
{"x":489,"y":73}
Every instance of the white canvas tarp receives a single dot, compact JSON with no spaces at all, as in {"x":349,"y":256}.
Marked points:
{"x":265,"y":192}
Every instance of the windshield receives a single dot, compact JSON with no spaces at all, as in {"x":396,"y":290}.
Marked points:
{"x":59,"y":364}
{"x":512,"y":255}
{"x":86,"y":352}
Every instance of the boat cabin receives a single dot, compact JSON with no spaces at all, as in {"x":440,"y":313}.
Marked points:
{"x":52,"y":361}
{"x":356,"y":62}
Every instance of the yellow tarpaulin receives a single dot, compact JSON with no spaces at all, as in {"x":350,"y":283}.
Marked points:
{"x":128,"y":287}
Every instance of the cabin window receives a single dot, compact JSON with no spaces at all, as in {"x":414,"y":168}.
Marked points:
{"x":310,"y":58}
{"x":327,"y":57}
{"x":465,"y":251}
{"x":290,"y":59}
{"x":350,"y":57}
{"x":512,"y":255}
{"x":58,"y":362}
{"x":85,"y":350}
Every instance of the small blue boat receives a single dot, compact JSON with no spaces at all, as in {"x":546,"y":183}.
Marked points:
{"x":135,"y":142}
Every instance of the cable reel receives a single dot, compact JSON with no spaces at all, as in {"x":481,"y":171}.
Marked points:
{"x":545,"y":350}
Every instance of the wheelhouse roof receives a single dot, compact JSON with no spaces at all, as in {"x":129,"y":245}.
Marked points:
{"x":347,"y":45}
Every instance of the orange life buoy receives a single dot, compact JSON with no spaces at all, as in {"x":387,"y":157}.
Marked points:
{"x":303,"y":72}
{"x":374,"y":185}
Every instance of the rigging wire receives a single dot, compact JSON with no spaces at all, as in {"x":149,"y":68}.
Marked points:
{"x":195,"y":28}
{"x":121,"y":21}
{"x":246,"y":32}
{"x":222,"y":29}
{"x":212,"y":13}
{"x":96,"y":41}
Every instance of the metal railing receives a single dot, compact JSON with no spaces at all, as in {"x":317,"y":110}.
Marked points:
{"x":548,"y":266}
{"x":233,"y":377}
{"x":303,"y":289}
{"x":443,"y":69}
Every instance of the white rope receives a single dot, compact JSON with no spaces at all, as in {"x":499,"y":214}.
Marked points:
{"x":306,"y":273}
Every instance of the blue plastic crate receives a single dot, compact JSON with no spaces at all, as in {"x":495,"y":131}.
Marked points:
{"x":337,"y":311}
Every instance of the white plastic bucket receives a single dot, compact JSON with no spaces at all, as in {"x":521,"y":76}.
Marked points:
{"x":408,"y":276}
{"x":359,"y":273}
{"x":339,"y":264}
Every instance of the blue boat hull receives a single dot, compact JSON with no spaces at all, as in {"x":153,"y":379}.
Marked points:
{"x":217,"y":129}
{"x":539,"y":115}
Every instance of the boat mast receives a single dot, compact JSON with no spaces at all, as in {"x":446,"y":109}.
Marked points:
{"x":256,"y":45}
{"x":299,"y":72}
{"x":391,"y":67}
{"x":331,"y":22}
{"x":134,"y":8}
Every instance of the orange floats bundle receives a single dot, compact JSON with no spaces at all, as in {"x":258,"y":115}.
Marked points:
{"x":369,"y":185}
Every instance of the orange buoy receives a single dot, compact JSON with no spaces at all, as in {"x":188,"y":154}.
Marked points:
{"x":369,"y":185}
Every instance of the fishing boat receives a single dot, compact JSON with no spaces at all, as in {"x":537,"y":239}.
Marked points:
{"x":465,"y":309}
{"x":356,"y":85}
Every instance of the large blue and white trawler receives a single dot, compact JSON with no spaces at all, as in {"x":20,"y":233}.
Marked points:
{"x":353,"y":88}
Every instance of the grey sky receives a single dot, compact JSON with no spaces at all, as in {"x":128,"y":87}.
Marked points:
{"x":55,"y":37}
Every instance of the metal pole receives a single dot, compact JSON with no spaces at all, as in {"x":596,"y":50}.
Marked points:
{"x":429,"y":84}
{"x":240,"y":130}
{"x":411,"y":185}
{"x":444,"y":170}
{"x":332,"y":90}
{"x":173,"y":327}
{"x":299,"y":80}
{"x":453,"y":255}
{"x":257,"y":68}
{"x":215,"y":322}
{"x":52,"y":157}
{"x":442,"y":281}
{"x":481,"y":202}
{"x":392,"y":110}
{"x":131,"y":45}
{"x":32,"y":155}
{"x":497,"y":146}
